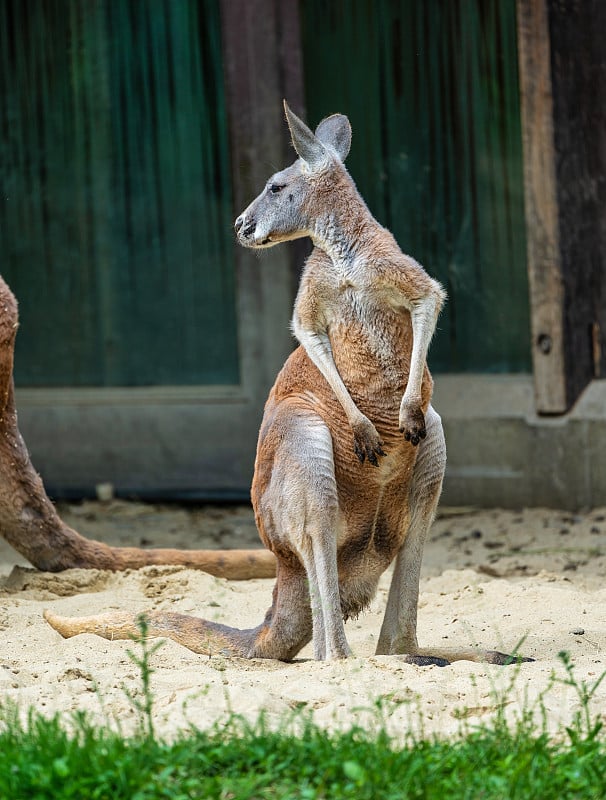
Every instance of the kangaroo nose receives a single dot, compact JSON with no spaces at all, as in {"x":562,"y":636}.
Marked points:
{"x":238,"y":223}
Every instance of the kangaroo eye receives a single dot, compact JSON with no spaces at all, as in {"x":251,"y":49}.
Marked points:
{"x":274,"y":188}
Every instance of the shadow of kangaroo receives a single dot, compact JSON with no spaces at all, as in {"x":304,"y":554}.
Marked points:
{"x":351,"y":454}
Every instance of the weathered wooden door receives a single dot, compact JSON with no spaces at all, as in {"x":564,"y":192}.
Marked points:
{"x":139,"y":361}
{"x":431,"y":89}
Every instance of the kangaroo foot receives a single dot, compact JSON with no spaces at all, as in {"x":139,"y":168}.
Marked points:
{"x":443,"y":656}
{"x":198,"y":635}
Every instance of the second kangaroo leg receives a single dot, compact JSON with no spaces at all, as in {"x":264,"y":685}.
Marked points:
{"x":287,"y":625}
{"x":285,"y":630}
{"x":399,"y":630}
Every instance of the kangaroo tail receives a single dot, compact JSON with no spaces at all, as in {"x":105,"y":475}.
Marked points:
{"x":235,"y":565}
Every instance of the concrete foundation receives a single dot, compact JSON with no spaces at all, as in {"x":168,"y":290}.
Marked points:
{"x":155,"y":443}
{"x":500,"y":453}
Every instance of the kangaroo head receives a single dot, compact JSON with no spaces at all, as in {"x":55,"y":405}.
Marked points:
{"x":294,"y":198}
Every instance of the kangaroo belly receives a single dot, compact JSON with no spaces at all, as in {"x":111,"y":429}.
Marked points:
{"x":362,"y":489}
{"x":372,"y":538}
{"x":377,"y":395}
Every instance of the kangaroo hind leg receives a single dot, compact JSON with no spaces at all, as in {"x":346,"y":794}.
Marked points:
{"x":285,"y":630}
{"x":399,"y":630}
{"x":299,"y":511}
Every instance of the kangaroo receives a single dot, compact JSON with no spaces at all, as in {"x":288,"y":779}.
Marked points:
{"x":351,"y":454}
{"x":30,"y":523}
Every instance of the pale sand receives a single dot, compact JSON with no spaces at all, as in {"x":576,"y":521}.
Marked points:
{"x":495,"y":578}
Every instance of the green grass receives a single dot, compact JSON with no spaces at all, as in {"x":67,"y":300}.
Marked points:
{"x":40,"y":759}
{"x":71,"y":758}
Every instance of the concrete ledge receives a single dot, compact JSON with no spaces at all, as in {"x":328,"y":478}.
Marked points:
{"x":175,"y":444}
{"x":161,"y":442}
{"x":500,"y":453}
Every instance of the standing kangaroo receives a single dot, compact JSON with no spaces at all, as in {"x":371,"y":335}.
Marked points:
{"x":351,"y":455}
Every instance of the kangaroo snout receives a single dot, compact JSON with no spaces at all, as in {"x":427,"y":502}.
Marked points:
{"x":245,"y":229}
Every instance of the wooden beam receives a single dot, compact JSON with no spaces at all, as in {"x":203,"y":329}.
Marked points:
{"x":542,"y":219}
{"x":263,"y":65}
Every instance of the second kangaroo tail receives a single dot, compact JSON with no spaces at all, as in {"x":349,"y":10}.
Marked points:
{"x":235,"y":565}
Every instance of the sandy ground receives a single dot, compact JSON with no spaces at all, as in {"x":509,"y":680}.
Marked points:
{"x":495,"y":578}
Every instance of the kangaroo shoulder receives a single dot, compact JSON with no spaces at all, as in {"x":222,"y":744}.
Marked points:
{"x":406,"y":280}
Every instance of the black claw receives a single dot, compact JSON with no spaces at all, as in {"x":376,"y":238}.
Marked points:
{"x":414,"y":440}
{"x":423,"y":433}
{"x":407,"y":436}
{"x":359,"y":452}
{"x":505,"y":659}
{"x":373,"y":459}
{"x":380,"y":450}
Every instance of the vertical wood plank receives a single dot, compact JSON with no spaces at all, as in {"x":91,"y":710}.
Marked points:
{"x":262,"y":62}
{"x":263,"y":65}
{"x":563,"y":80}
{"x":540,"y":188}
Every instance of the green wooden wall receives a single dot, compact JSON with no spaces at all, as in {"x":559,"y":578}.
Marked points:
{"x":431,"y":89}
{"x":115,"y":211}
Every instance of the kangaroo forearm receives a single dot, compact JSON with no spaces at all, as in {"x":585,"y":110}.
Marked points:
{"x":423,"y":316}
{"x":318,"y":348}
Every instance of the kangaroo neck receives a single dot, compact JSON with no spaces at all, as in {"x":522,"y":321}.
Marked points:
{"x":345,"y":231}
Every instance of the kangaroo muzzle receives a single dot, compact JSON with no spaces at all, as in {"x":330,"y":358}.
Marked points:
{"x":245,"y":228}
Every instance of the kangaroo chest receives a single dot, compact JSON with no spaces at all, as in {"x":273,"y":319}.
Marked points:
{"x":371,"y":340}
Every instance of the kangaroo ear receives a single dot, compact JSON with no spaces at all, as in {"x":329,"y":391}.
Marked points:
{"x":307,"y":145}
{"x":335,"y":131}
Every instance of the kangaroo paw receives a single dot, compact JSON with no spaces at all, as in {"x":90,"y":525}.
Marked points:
{"x":412,"y":423}
{"x":504,"y":659}
{"x":367,"y":444}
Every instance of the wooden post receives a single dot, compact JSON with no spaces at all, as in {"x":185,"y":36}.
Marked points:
{"x":563,"y":92}
{"x":543,"y":233}
{"x":263,"y":65}
{"x":578,"y":73}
